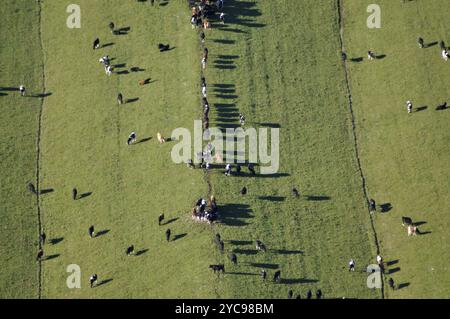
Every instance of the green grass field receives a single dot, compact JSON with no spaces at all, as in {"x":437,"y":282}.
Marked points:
{"x":279,"y":63}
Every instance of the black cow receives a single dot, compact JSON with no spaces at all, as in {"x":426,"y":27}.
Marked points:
{"x":260,"y":246}
{"x":407,"y":221}
{"x":120,"y":98}
{"x":91,"y":231}
{"x":251,"y":168}
{"x":93,"y":279}
{"x":244,"y":191}
{"x":40,"y":254}
{"x":96,"y":44}
{"x":277,"y":276}
{"x":217,"y":268}
{"x":168,"y":235}
{"x":31,"y":188}
{"x":290,"y":294}
{"x":130,"y":250}
{"x":391,"y":283}
{"x":233,"y":258}
{"x":319,"y":294}
{"x":74,"y":194}
{"x":309,"y":294}
{"x":42,"y":238}
{"x":295,"y":192}
{"x":263,"y":274}
{"x":163,"y":47}
{"x":372,"y":205}
{"x":160,"y":219}
{"x":421,"y":42}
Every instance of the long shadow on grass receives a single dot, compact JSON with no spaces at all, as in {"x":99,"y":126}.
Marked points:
{"x":243,"y":13}
{"x":287,"y":252}
{"x":265,"y":266}
{"x":234,"y":214}
{"x":41,"y":95}
{"x":141,"y":252}
{"x":170,"y":221}
{"x":46,"y":191}
{"x":297,"y":281}
{"x":102,"y":232}
{"x":243,"y":274}
{"x":403,"y":285}
{"x":392,"y":262}
{"x":247,"y":252}
{"x":55,"y":241}
{"x":393,"y":270}
{"x":85,"y":195}
{"x":270,"y":125}
{"x":104,"y":282}
{"x":239,"y":242}
{"x":177,"y":237}
{"x":273,"y":198}
{"x":144,"y":140}
{"x":316,"y":198}
{"x":52,"y":257}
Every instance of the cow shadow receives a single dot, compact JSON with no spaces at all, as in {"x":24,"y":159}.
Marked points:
{"x":108,"y":44}
{"x":242,"y":274}
{"x":247,"y":252}
{"x":170,"y":221}
{"x":46,"y":191}
{"x":136,"y":69}
{"x":180,"y":236}
{"x":318,"y":198}
{"x":52,"y":257}
{"x":393,"y":270}
{"x":359,"y":59}
{"x":104,"y":282}
{"x":296,"y":281}
{"x":272,"y":198}
{"x":421,"y":108}
{"x":403,"y":285}
{"x":234,"y":214}
{"x":239,"y":242}
{"x":132,"y":100}
{"x":392,"y":262}
{"x":85,"y":195}
{"x":144,"y":140}
{"x":287,"y":252}
{"x":102,"y":232}
{"x":41,"y":95}
{"x":55,"y":241}
{"x":264,"y":266}
{"x":141,"y":252}
{"x":122,"y":31}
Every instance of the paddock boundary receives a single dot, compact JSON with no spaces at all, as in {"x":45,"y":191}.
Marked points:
{"x":38,"y":147}
{"x":340,"y":8}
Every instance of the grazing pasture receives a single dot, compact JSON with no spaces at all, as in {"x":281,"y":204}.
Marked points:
{"x":345,"y":137}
